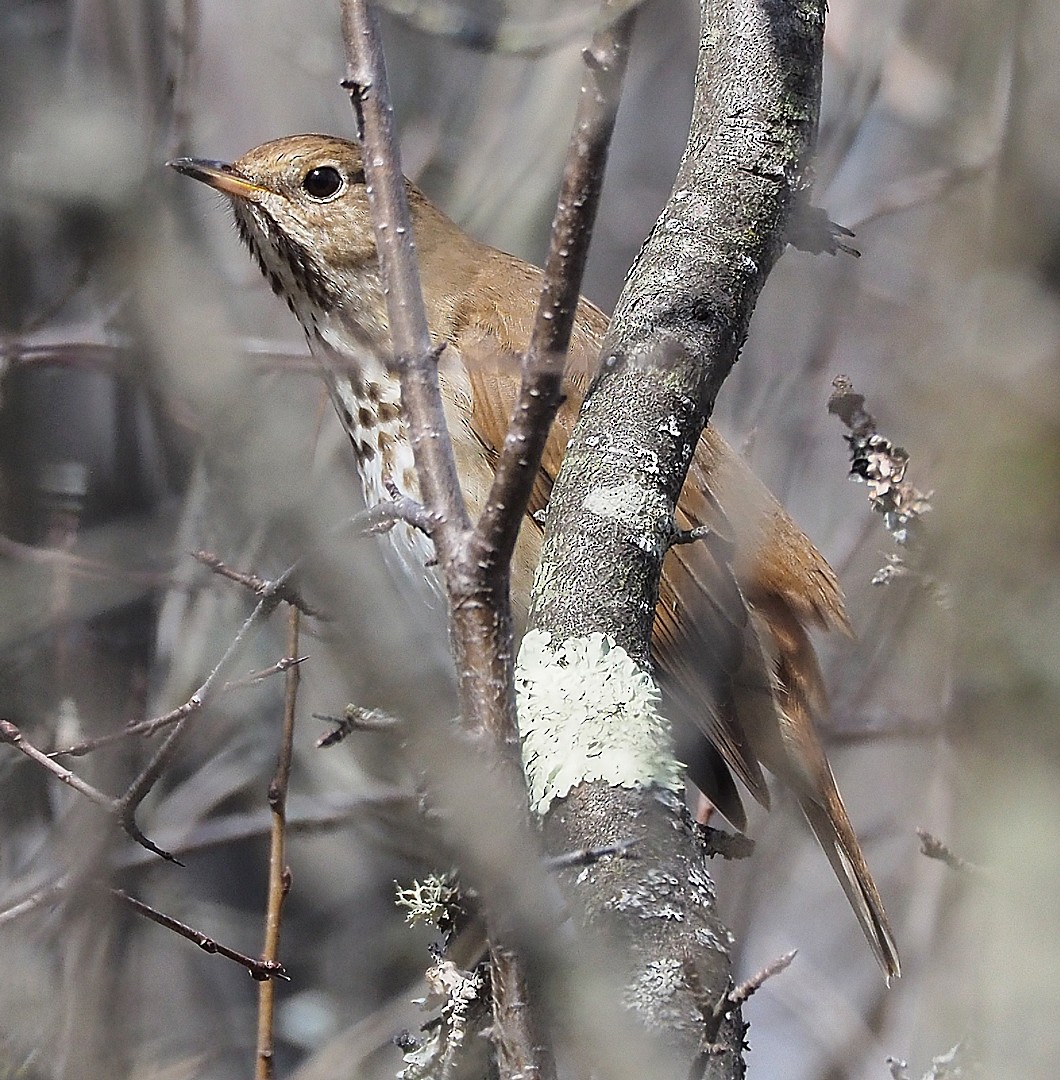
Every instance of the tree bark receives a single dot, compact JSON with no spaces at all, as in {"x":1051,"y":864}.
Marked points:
{"x":676,"y":332}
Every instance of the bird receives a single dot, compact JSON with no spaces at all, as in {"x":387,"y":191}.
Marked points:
{"x":731,"y":637}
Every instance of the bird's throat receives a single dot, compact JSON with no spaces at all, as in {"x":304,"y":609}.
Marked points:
{"x":343,"y":312}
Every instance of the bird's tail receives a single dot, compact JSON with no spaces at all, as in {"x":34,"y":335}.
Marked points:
{"x":835,"y":834}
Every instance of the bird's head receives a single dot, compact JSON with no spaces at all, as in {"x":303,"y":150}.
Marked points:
{"x":301,"y":206}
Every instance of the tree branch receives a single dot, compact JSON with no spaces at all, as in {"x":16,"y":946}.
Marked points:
{"x":475,"y":562}
{"x":676,"y":332}
{"x":279,"y":873}
{"x":572,"y":225}
{"x":366,"y":82}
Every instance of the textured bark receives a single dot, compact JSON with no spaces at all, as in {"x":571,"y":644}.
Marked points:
{"x":676,"y":332}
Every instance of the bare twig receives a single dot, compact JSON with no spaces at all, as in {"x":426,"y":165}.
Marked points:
{"x":366,"y":82}
{"x":690,"y":536}
{"x":622,"y":849}
{"x":10,"y":734}
{"x":713,"y":1013}
{"x":219,"y":832}
{"x":284,"y":664}
{"x":82,"y":566}
{"x":146,"y":728}
{"x":142,"y":785}
{"x":572,"y":225}
{"x":44,"y":895}
{"x":401,"y":508}
{"x":923,"y":188}
{"x":934,"y":848}
{"x":353,"y":719}
{"x":259,"y":969}
{"x":259,"y":586}
{"x":279,"y":874}
{"x":738,"y":995}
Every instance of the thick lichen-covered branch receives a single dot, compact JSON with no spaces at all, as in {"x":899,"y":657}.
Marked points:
{"x":676,"y":333}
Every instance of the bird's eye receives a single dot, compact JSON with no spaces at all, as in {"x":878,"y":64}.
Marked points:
{"x":323,"y":183}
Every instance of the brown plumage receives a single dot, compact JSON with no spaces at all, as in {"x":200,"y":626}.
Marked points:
{"x":730,"y":636}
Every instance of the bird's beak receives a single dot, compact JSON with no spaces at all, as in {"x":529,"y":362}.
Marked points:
{"x":219,"y":175}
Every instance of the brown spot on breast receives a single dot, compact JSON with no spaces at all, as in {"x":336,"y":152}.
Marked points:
{"x":388,"y":411}
{"x":365,"y":417}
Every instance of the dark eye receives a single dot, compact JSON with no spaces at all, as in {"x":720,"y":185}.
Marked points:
{"x":322,"y":183}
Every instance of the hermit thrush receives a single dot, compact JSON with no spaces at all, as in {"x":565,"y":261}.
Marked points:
{"x":730,"y":637}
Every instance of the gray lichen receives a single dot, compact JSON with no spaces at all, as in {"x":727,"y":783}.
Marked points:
{"x":655,"y":996}
{"x":657,"y":895}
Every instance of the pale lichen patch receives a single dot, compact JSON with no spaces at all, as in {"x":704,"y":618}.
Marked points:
{"x":624,"y":503}
{"x":587,"y":712}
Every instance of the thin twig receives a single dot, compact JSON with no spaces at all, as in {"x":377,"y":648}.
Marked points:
{"x":713,"y":1013}
{"x":281,"y":666}
{"x":259,"y":586}
{"x":220,"y":832}
{"x":689,"y":536}
{"x":622,"y":849}
{"x":739,"y":994}
{"x":572,"y":226}
{"x":44,"y":895}
{"x":259,"y":969}
{"x":417,"y":361}
{"x":10,"y":734}
{"x":82,"y":566}
{"x":142,"y":785}
{"x":934,"y":848}
{"x":146,"y":728}
{"x":279,"y":873}
{"x":382,"y":517}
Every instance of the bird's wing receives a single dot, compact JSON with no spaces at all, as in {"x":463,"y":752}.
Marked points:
{"x":703,"y":636}
{"x":730,"y":634}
